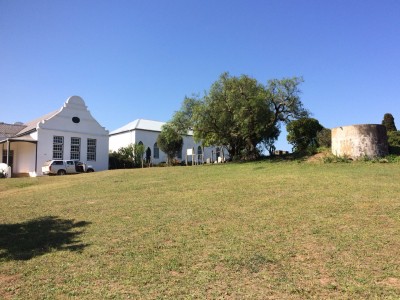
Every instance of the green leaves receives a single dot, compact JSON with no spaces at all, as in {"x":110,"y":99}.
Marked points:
{"x":170,"y":141}
{"x":302,"y":133}
{"x":239,"y":113}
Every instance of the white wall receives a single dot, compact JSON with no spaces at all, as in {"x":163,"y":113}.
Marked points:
{"x":45,"y":148}
{"x":121,"y":140}
{"x":148,"y":138}
{"x":62,"y":125}
{"x":24,"y":157}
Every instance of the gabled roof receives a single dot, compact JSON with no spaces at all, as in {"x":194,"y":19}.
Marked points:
{"x":141,"y":124}
{"x":32,"y":125}
{"x":16,"y":131}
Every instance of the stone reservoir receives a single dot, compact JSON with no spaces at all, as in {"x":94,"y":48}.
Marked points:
{"x":357,"y":141}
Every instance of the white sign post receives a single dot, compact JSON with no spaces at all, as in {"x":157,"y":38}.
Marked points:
{"x":190,"y":152}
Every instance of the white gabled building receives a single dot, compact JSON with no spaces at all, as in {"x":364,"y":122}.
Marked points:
{"x":146,"y":132}
{"x":68,"y":133}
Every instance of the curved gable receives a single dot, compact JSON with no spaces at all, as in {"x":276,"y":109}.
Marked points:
{"x":73,"y":117}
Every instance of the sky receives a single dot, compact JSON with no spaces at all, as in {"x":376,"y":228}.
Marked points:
{"x":139,"y":59}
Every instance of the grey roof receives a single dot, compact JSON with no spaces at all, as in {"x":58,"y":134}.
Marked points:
{"x":18,"y":130}
{"x":32,"y":125}
{"x":10,"y":130}
{"x":142,"y":124}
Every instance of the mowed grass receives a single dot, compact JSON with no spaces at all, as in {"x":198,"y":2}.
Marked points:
{"x":235,"y":231}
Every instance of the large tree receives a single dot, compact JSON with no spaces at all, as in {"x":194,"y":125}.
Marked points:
{"x":239,"y":113}
{"x":170,"y":141}
{"x":302,"y":134}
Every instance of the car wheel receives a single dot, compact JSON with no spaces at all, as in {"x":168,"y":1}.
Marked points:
{"x":90,"y":170}
{"x":61,"y":172}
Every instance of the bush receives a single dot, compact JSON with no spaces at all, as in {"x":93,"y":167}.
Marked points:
{"x":118,"y":161}
{"x":394,"y":142}
{"x":393,"y":158}
{"x":337,"y":159}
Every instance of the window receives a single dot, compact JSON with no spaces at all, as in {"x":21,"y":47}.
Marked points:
{"x":10,"y":157}
{"x":75,"y":148}
{"x":91,"y":149}
{"x":156,"y":151}
{"x":199,"y":152}
{"x":58,"y":147}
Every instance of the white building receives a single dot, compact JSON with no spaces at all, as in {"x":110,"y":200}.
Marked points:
{"x":146,"y":132}
{"x":68,"y":133}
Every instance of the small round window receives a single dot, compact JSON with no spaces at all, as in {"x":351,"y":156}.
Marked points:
{"x":76,"y":120}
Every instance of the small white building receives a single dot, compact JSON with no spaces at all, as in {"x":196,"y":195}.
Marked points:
{"x":67,"y":133}
{"x":146,"y":132}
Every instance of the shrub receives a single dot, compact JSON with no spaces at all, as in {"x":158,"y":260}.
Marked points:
{"x":126,"y":157}
{"x":117,"y":161}
{"x":393,"y":158}
{"x":337,"y":159}
{"x":394,"y":142}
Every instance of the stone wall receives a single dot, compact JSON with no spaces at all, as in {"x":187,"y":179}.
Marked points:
{"x":360,"y":140}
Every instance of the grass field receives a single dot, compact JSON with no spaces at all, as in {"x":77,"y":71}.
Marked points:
{"x":257,"y":230}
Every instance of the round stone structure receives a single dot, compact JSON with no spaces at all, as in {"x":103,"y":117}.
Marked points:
{"x":357,"y":141}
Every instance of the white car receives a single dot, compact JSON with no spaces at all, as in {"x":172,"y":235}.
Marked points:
{"x":63,"y":167}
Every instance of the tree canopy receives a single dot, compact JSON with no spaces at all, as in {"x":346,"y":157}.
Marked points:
{"x":239,"y":113}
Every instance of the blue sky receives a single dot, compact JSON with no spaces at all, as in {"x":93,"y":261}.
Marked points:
{"x":138,"y":59}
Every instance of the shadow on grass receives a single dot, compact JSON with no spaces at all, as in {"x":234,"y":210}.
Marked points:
{"x":23,"y":241}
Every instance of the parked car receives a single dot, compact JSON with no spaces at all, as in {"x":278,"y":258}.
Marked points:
{"x":63,"y":167}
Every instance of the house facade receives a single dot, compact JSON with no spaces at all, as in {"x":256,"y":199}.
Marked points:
{"x":146,"y":132}
{"x":68,"y":133}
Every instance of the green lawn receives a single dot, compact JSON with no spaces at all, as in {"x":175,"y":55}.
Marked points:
{"x":234,"y":231}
